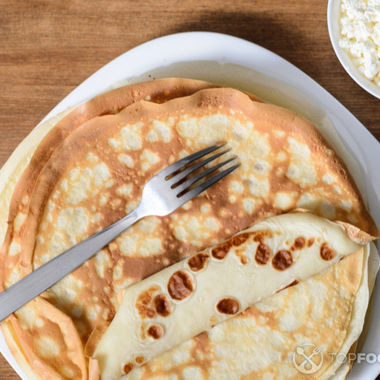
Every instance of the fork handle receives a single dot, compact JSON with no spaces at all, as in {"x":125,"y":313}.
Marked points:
{"x":50,"y":273}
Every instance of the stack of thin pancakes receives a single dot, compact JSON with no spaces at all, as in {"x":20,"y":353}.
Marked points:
{"x":85,"y":169}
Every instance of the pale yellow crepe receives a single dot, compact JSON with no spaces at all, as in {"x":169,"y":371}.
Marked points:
{"x":188,"y":298}
{"x":260,"y":342}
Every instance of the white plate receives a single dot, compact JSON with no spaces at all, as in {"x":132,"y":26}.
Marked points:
{"x":269,"y":68}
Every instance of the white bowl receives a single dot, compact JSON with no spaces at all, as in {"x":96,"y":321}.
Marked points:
{"x":333,"y":22}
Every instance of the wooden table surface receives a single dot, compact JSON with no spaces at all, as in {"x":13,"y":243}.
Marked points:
{"x":47,"y":48}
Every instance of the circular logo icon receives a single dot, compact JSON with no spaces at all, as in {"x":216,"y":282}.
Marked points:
{"x":308,"y":358}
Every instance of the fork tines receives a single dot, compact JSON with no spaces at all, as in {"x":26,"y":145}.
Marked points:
{"x":177,"y":179}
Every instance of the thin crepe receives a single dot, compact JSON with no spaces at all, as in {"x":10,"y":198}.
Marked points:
{"x":260,"y":342}
{"x":188,"y":298}
{"x":88,"y":296}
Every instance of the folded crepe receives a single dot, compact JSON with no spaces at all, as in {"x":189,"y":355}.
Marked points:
{"x":188,"y":298}
{"x":260,"y":342}
{"x":79,"y":173}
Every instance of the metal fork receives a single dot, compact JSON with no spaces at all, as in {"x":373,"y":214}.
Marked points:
{"x":162,"y":194}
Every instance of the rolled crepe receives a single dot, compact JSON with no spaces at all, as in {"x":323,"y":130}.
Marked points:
{"x":192,"y":296}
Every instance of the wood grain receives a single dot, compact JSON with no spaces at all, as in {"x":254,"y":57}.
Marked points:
{"x":47,"y":48}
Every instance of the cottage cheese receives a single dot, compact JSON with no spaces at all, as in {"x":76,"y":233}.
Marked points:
{"x":360,"y":26}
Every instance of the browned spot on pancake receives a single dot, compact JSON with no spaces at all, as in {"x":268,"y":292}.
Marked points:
{"x":162,"y":306}
{"x":262,"y":255}
{"x":201,"y":343}
{"x":198,"y":262}
{"x":128,"y":368}
{"x":180,"y":285}
{"x":240,"y":254}
{"x":201,"y":354}
{"x":261,"y":235}
{"x":243,"y":260}
{"x":326,"y":252}
{"x":282,"y":260}
{"x":140,"y":359}
{"x":143,"y":301}
{"x":228,"y":306}
{"x":299,"y":243}
{"x":310,"y":242}
{"x":239,"y":239}
{"x":295,"y":282}
{"x":155,"y":332}
{"x":221,"y":250}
